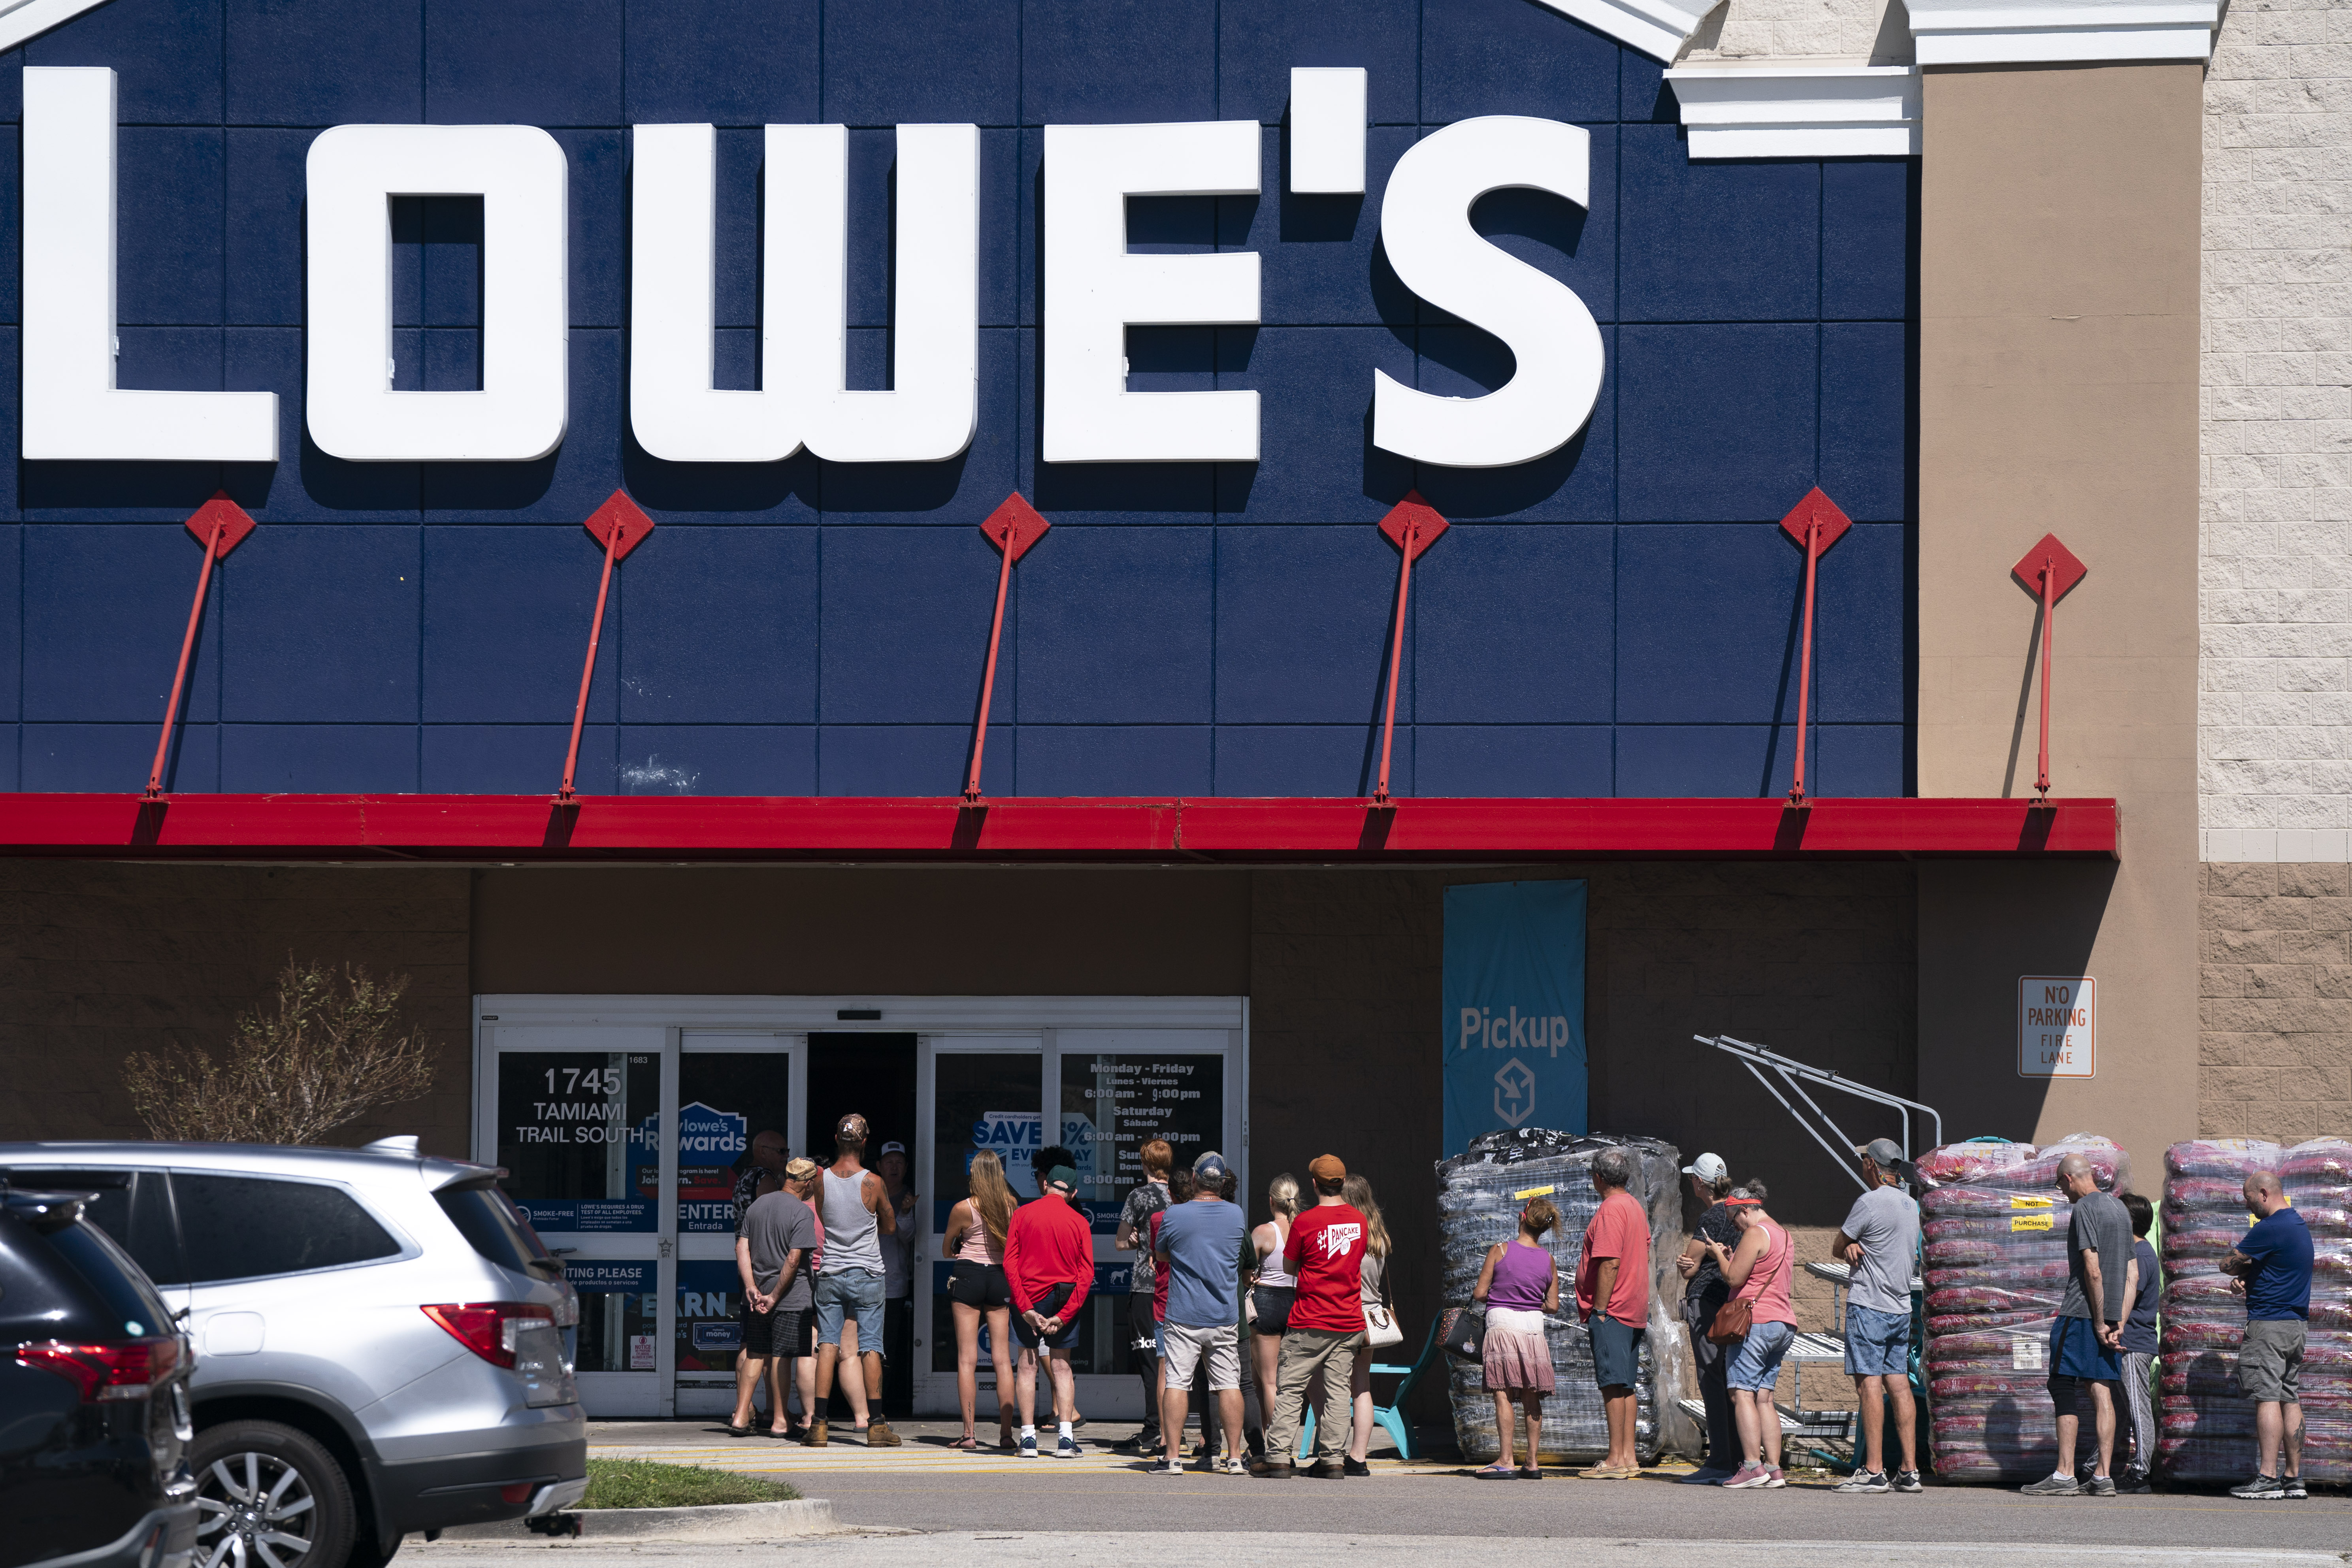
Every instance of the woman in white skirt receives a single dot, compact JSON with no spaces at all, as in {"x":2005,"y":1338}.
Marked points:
{"x":1519,"y":1284}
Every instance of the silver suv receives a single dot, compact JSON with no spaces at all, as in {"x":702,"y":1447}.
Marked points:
{"x":381,"y":1341}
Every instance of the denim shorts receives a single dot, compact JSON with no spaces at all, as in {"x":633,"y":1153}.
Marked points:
{"x":1877,"y":1344}
{"x":1616,"y":1352}
{"x":1756,"y":1364}
{"x":853,"y":1293}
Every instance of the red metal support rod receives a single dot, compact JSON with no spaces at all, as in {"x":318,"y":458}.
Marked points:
{"x":1012,"y":528}
{"x":221,"y":524}
{"x":1816,"y":523}
{"x":1413,"y":525}
{"x":2050,"y":570}
{"x":620,"y":527}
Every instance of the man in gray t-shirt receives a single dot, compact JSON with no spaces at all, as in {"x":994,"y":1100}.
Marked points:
{"x":1877,"y":1244}
{"x":2087,"y":1337}
{"x":772,"y":1245}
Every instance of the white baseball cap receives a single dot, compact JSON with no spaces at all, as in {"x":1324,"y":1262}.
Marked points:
{"x":1708,"y":1168}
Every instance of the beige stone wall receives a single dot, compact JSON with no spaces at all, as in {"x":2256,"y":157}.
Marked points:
{"x":2274,"y":984}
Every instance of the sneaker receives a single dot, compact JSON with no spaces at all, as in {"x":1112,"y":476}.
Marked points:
{"x":2134,"y":1483}
{"x":1908,"y":1481}
{"x":1750,"y":1475}
{"x":1235,"y":1465}
{"x":2100,"y":1486}
{"x":1160,"y":1467}
{"x":1780,"y":1478}
{"x":2053,"y":1486}
{"x":2293,"y":1485}
{"x":1206,"y":1465}
{"x":1355,"y":1467}
{"x":1067,"y":1449}
{"x":1028,"y":1449}
{"x":2261,"y":1489}
{"x":1865,"y":1481}
{"x":1705,"y":1477}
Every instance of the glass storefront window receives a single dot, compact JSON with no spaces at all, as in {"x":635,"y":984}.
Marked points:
{"x":726,"y":1098}
{"x":618,"y":1312}
{"x":576,"y":1133}
{"x":983,"y":1099}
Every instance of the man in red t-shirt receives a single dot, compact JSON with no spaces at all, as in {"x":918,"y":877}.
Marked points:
{"x":1326,"y":1330}
{"x":1613,"y":1298}
{"x":1049,"y":1263}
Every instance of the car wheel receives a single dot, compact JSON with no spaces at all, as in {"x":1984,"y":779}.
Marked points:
{"x":269,"y":1497}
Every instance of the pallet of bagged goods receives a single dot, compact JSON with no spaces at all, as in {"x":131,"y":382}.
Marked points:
{"x":2206,"y":1423}
{"x":1994,"y":1233}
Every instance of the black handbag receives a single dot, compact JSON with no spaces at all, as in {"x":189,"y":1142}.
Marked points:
{"x":1463,"y":1332}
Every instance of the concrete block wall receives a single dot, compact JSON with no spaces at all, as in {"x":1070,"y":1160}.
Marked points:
{"x":2276,"y":704}
{"x":2276,"y":998}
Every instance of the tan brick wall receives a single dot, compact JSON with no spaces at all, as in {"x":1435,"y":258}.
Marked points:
{"x":2274,"y":984}
{"x":99,"y":961}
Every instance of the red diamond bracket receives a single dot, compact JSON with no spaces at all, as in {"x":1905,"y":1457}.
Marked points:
{"x":223,"y":514}
{"x":1816,"y":507}
{"x":1014,"y":526}
{"x":618,"y":512}
{"x":2065,"y":569}
{"x":1415,"y":520}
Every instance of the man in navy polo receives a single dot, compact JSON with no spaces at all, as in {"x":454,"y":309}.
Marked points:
{"x":2272,"y":1269}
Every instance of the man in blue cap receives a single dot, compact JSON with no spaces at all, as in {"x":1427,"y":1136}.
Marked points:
{"x":1200,"y":1244}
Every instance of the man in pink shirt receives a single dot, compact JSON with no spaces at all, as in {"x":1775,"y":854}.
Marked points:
{"x":1612,"y":1298}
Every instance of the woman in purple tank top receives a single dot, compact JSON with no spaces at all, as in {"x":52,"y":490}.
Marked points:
{"x":1519,"y":1283}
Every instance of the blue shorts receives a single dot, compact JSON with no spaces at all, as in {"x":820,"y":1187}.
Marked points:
{"x":2075,"y":1351}
{"x":1877,"y":1344}
{"x":1616,"y":1352}
{"x":853,"y":1293}
{"x":1756,"y":1364}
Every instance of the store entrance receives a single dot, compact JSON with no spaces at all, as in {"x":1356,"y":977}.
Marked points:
{"x":873,"y":1075}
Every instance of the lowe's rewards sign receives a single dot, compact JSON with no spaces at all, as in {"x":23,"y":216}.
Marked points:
{"x":1513,"y":993}
{"x":1213,"y":284}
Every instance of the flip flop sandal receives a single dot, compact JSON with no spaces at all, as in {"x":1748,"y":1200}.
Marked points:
{"x":967,"y":1443}
{"x":1498,"y":1471}
{"x":738,"y":1431}
{"x":1530,"y":1473}
{"x":787,"y":1435}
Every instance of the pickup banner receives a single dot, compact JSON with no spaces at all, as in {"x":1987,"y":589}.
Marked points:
{"x":1514,"y":1020}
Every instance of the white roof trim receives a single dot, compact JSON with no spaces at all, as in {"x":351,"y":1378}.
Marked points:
{"x":1976,"y":32}
{"x":23,"y":19}
{"x":1785,"y":110}
{"x":1656,"y":27}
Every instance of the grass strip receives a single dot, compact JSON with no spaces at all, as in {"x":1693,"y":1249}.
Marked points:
{"x":640,"y":1483}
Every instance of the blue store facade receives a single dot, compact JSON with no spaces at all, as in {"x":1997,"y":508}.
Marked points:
{"x":1176,"y":869}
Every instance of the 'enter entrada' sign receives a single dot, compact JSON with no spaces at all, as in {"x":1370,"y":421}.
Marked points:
{"x":2057,"y":1026}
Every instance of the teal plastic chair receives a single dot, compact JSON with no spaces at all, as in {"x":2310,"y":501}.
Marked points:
{"x":1390,"y":1416}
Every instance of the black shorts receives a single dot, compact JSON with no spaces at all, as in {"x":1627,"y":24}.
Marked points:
{"x":1273,"y":1310}
{"x":979,"y":1285}
{"x":786,"y":1331}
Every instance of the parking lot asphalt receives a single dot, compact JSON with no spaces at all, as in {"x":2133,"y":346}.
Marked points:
{"x":924,"y":1486}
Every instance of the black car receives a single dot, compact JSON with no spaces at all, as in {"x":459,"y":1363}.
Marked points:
{"x":93,"y":1399}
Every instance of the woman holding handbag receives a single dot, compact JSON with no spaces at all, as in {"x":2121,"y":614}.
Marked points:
{"x":1519,"y":1283}
{"x":1758,"y":1316}
{"x":1381,"y":1329}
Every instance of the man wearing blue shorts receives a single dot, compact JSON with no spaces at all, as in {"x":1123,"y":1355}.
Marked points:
{"x":1878,"y":1242}
{"x":2086,"y":1342}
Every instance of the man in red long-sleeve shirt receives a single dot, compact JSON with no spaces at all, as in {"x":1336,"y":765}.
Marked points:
{"x":1049,"y":1261}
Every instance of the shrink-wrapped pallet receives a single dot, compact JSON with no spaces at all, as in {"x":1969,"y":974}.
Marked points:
{"x":1994,"y":1231}
{"x":2206,"y":1424}
{"x":1478,"y":1205}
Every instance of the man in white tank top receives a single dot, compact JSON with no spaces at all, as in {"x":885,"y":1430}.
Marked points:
{"x":857,"y":1215}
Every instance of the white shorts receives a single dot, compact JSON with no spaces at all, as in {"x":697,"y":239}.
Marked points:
{"x":1182,"y":1349}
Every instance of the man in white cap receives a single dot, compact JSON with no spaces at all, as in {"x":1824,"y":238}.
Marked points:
{"x":1704,"y":1291}
{"x":1878,"y":1242}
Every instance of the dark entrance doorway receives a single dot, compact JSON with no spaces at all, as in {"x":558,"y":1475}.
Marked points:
{"x":873,"y":1075}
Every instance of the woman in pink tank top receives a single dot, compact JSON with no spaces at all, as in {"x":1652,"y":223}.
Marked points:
{"x":1759,"y":1272}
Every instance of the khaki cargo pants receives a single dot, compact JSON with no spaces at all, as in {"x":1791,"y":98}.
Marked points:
{"x":1306,"y":1351}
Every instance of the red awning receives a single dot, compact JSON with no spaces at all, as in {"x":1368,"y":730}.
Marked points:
{"x":477,"y":828}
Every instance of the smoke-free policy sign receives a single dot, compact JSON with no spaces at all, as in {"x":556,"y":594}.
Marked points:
{"x":2057,"y":1026}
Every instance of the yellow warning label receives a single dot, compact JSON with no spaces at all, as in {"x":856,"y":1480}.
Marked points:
{"x":2026,"y":1203}
{"x":2032,"y":1221}
{"x":1534,"y":1192}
